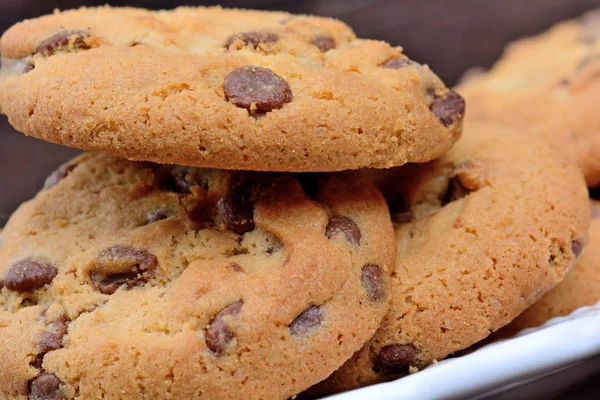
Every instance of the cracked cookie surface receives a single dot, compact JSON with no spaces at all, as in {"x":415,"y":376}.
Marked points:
{"x":481,"y":235}
{"x":220,"y":88}
{"x":132,"y":280}
{"x":547,"y":85}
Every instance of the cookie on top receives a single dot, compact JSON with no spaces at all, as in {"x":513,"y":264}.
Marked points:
{"x":221,"y":88}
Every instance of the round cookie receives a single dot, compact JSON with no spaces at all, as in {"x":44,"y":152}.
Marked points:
{"x":482,"y":234}
{"x":548,"y":85}
{"x":125,"y":280}
{"x":232,"y":89}
{"x":580,"y":288}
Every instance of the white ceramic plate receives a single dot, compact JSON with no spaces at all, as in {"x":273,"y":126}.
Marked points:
{"x":520,"y":367}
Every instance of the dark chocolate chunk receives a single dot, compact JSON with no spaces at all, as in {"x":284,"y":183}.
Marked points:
{"x":64,"y":40}
{"x":58,"y":175}
{"x":257,"y":89}
{"x":343,"y":225}
{"x":122,"y":265}
{"x":29,"y":275}
{"x":577,"y":247}
{"x":448,"y":108}
{"x":324,"y":43}
{"x":396,"y":358}
{"x":310,"y":318}
{"x":373,"y":280}
{"x":397,"y":63}
{"x":45,"y":387}
{"x":252,"y":38}
{"x":218,"y":335}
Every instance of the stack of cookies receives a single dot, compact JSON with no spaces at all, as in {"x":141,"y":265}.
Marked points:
{"x":269,"y":206}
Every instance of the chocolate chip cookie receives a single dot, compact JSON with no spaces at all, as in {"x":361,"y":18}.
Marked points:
{"x":580,"y":288}
{"x":233,"y":89}
{"x":548,"y":85}
{"x":481,"y":234}
{"x":125,"y":280}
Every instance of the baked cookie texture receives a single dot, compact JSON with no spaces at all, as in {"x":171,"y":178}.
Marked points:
{"x":232,"y":89}
{"x":548,"y":85}
{"x":482,"y":234}
{"x":127,"y":280}
{"x":580,"y":288}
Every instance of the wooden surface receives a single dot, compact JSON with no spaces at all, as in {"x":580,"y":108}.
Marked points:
{"x":449,"y":35}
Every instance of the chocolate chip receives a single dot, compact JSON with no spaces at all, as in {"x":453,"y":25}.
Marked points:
{"x":45,"y":387}
{"x":396,"y":358}
{"x":252,"y":38}
{"x":29,"y":275}
{"x":50,"y":341}
{"x":28,"y":68}
{"x":324,"y":43}
{"x":1,"y":284}
{"x":52,"y":338}
{"x":63,"y":40}
{"x":373,"y":280}
{"x":156,"y":215}
{"x":397,"y":63}
{"x":310,"y":318}
{"x":218,"y":334}
{"x":135,"y":268}
{"x":257,"y":89}
{"x":343,"y":225}
{"x":236,"y":212}
{"x":236,"y":207}
{"x":449,"y":108}
{"x":58,"y":175}
{"x":180,"y":179}
{"x":577,"y":247}
{"x":564,"y":82}
{"x":37,"y":361}
{"x":235,"y":267}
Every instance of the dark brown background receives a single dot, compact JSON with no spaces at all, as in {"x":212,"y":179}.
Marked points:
{"x":449,"y":35}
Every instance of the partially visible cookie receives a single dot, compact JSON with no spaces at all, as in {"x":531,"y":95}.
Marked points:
{"x":125,"y":280}
{"x":580,"y":288}
{"x":232,"y":89}
{"x":548,"y":85}
{"x":481,"y":235}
